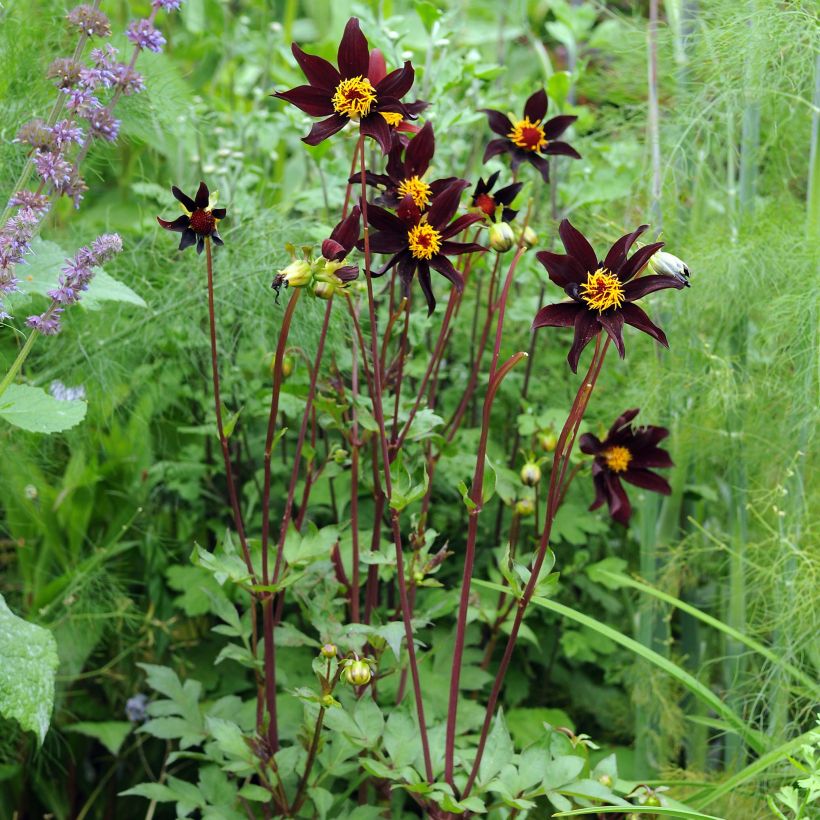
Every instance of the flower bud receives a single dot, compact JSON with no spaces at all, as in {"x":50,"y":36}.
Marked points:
{"x":528,"y":236}
{"x":328,"y":650}
{"x":287,"y":365}
{"x":328,"y":701}
{"x":418,"y":577}
{"x":606,"y":780}
{"x":530,"y":474}
{"x":340,"y":455}
{"x":324,"y":290}
{"x":667,"y":264}
{"x":524,"y":507}
{"x":357,"y":673}
{"x":548,"y":441}
{"x":501,"y":237}
{"x":296,"y":275}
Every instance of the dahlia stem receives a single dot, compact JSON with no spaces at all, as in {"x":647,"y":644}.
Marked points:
{"x":18,"y":362}
{"x":378,"y":412}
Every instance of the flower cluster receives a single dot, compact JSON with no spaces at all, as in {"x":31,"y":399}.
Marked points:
{"x":75,"y":278}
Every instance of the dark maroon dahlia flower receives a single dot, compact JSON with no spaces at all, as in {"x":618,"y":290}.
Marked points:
{"x":347,"y":93}
{"x":626,"y":454}
{"x":489,"y":203}
{"x":200,"y":219}
{"x":407,"y":163}
{"x":420,"y":241}
{"x":530,"y":139}
{"x":603,"y":293}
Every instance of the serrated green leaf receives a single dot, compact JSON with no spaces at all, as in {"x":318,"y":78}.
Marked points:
{"x":31,"y":408}
{"x":110,"y":733}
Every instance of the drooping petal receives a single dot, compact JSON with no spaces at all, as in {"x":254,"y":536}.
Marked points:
{"x":445,"y":204}
{"x":376,"y":126}
{"x":325,"y":128}
{"x":638,"y":288}
{"x":189,"y":204}
{"x":347,"y":273}
{"x":500,"y":123}
{"x":179,"y":224}
{"x":647,"y":480}
{"x":396,"y":260}
{"x":557,"y":125}
{"x":397,"y":83}
{"x":216,"y":238}
{"x":420,"y":151}
{"x":636,"y":262}
{"x":619,"y":507}
{"x":318,"y":71}
{"x":496,"y":147}
{"x":427,"y":286}
{"x":613,"y":323}
{"x":538,"y":162}
{"x":219,"y":213}
{"x":562,"y":314}
{"x":200,"y":243}
{"x":563,"y":149}
{"x":345,"y":233}
{"x":445,"y":267}
{"x":589,"y":444}
{"x":578,"y":246}
{"x":536,"y":106}
{"x":586,"y":329}
{"x":600,"y":492}
{"x":634,"y":316}
{"x":617,"y":253}
{"x":187,"y":239}
{"x":458,"y":225}
{"x":332,"y":250}
{"x":202,"y":196}
{"x":353,"y":56}
{"x":313,"y":101}
{"x":562,"y":268}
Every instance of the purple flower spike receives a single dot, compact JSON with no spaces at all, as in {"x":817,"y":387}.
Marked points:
{"x":168,"y":5}
{"x":143,"y":35}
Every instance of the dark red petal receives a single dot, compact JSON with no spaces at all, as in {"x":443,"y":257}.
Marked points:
{"x":219,"y":213}
{"x":563,"y":149}
{"x":319,"y":72}
{"x":445,"y":267}
{"x":376,"y":126}
{"x":586,"y":329}
{"x":445,"y":204}
{"x":345,"y":233}
{"x":578,"y":246}
{"x":505,"y":195}
{"x":600,"y":493}
{"x":353,"y":56}
{"x":377,"y":69}
{"x":538,"y":162}
{"x":438,"y":185}
{"x":183,"y":198}
{"x":638,"y":288}
{"x":202,"y":196}
{"x":557,"y":125}
{"x":427,"y":287}
{"x":384,"y":221}
{"x":456,"y":248}
{"x":648,"y":480}
{"x":178,"y":224}
{"x":200,"y":243}
{"x":536,"y":106}
{"x":458,"y":225}
{"x":617,"y":253}
{"x":217,"y":239}
{"x":408,"y":212}
{"x":331,"y":249}
{"x":589,"y":444}
{"x":420,"y":152}
{"x":636,"y":262}
{"x":387,"y":242}
{"x":407,"y":264}
{"x":621,"y":422}
{"x":500,"y":123}
{"x":651,"y":457}
{"x":397,"y":83}
{"x":634,"y":316}
{"x":324,"y":129}
{"x":562,"y":314}
{"x":187,"y":239}
{"x":613,"y":323}
{"x":313,"y":101}
{"x":398,"y":258}
{"x":562,"y":268}
{"x":495,"y":147}
{"x":619,"y":507}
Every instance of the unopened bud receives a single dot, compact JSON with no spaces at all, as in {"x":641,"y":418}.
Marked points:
{"x":667,"y":264}
{"x":357,"y":673}
{"x":340,"y":455}
{"x":296,"y":275}
{"x":524,"y":507}
{"x":328,"y":650}
{"x":287,"y":366}
{"x":501,"y":237}
{"x":328,"y":701}
{"x":418,"y":577}
{"x":548,"y":441}
{"x":529,"y":237}
{"x":530,"y":474}
{"x":324,"y":290}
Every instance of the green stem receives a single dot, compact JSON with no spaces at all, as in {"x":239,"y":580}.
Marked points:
{"x":18,"y":362}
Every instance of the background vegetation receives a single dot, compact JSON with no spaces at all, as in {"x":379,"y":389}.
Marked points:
{"x":97,"y":524}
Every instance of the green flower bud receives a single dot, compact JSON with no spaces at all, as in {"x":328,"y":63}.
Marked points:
{"x":418,"y":577}
{"x":296,"y":275}
{"x":528,"y":236}
{"x":530,"y":474}
{"x":652,"y":800}
{"x":548,"y":441}
{"x":357,"y":673}
{"x":340,"y":455}
{"x":328,"y":701}
{"x":501,"y":237}
{"x":524,"y":507}
{"x":324,"y":290}
{"x":328,"y":650}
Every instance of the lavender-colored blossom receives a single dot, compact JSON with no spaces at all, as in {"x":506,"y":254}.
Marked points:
{"x":143,"y":35}
{"x":168,"y":5}
{"x":53,"y":168}
{"x":106,"y":247}
{"x":62,"y":392}
{"x":36,"y":134}
{"x":47,"y":323}
{"x":89,"y":21}
{"x":102,"y":124}
{"x":65,"y":132}
{"x":81,"y":100}
{"x":30,"y":200}
{"x":74,"y":188}
{"x":65,"y":72}
{"x":136,"y":708}
{"x":129,"y":81}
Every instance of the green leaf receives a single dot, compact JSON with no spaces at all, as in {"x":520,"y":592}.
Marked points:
{"x":29,"y":662}
{"x":31,"y":408}
{"x":561,"y":771}
{"x":428,"y":13}
{"x":378,"y":769}
{"x":151,"y":791}
{"x":401,"y":739}
{"x":656,"y":811}
{"x":499,"y":750}
{"x":558,"y":87}
{"x":110,"y":733}
{"x":259,"y":794}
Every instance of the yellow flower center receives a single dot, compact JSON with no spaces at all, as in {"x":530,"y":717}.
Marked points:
{"x":528,"y":135}
{"x":617,"y":458}
{"x":602,"y":290}
{"x":423,"y":240}
{"x":417,"y":189}
{"x":392,"y":118}
{"x":354,"y":97}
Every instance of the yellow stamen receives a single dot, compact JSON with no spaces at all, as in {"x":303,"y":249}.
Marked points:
{"x":617,"y":458}
{"x":423,"y":241}
{"x":528,"y":134}
{"x":354,"y":97}
{"x":393,"y":118}
{"x":416,"y":188}
{"x":602,"y":290}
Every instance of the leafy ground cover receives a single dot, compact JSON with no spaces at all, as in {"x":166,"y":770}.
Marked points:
{"x":409,"y":609}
